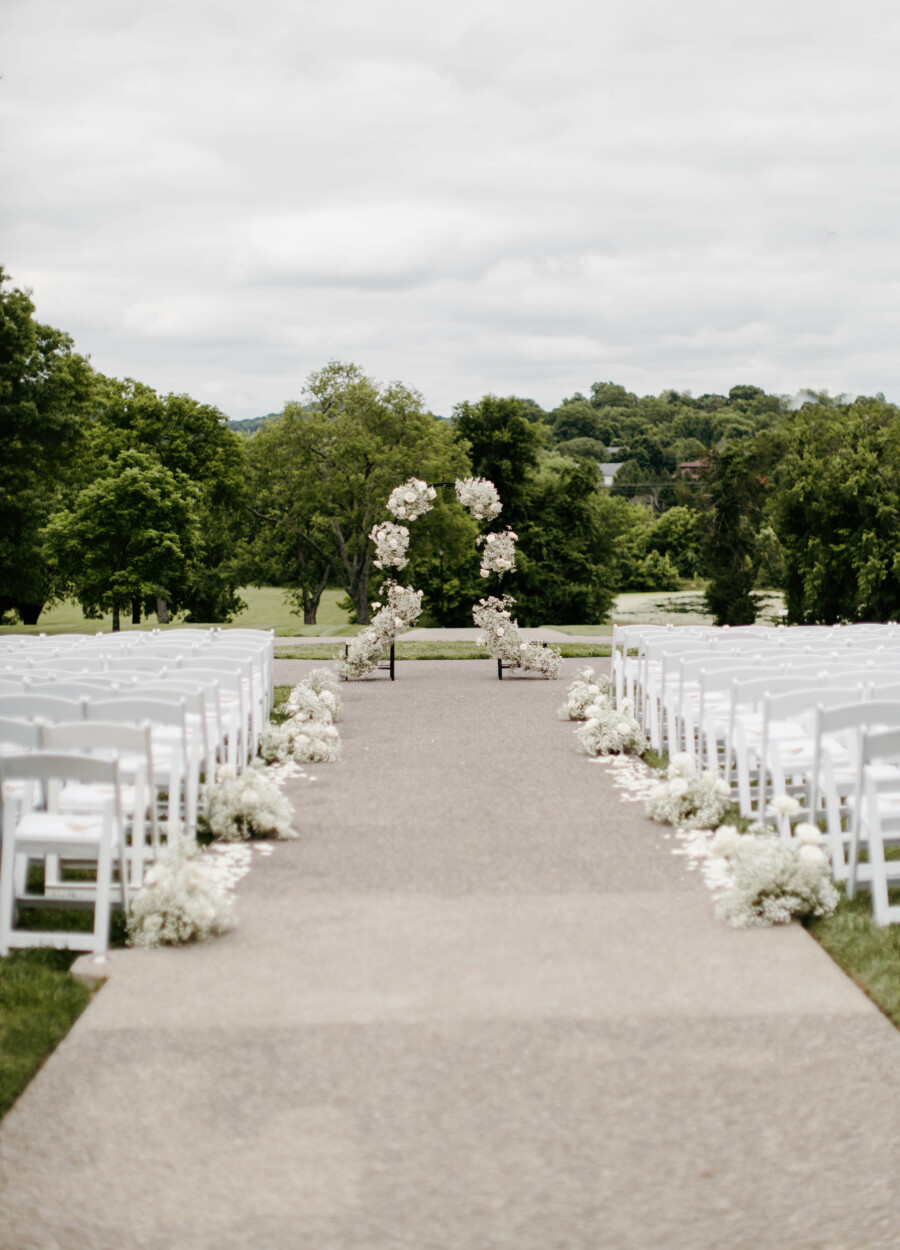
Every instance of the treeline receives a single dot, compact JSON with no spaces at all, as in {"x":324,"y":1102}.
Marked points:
{"x":137,"y":503}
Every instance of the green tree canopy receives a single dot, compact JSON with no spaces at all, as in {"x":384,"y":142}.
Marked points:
{"x":837,"y":512}
{"x":128,"y":533}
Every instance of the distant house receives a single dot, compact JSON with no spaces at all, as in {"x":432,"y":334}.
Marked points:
{"x":609,"y":471}
{"x":693,"y":468}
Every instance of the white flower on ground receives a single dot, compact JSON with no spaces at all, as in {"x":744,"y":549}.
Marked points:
{"x":180,"y":901}
{"x":783,"y":805}
{"x":726,"y":840}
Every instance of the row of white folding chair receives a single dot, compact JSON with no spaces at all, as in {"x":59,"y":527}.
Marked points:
{"x":177,"y":745}
{"x":37,"y":827}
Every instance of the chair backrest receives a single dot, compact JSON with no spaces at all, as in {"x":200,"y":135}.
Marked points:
{"x":18,"y":735}
{"x":108,"y":739}
{"x":83,"y":688}
{"x":137,"y":663}
{"x":51,"y":769}
{"x":11,"y":684}
{"x":40,"y":707}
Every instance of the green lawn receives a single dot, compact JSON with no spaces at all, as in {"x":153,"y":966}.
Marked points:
{"x":39,"y":1003}
{"x":432,"y":651}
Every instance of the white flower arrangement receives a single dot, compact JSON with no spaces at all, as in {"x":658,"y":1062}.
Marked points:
{"x":249,"y":805}
{"x":325,"y":683}
{"x":588,"y":688}
{"x":770,"y":881}
{"x":402,"y":609}
{"x":500,"y":635}
{"x":306,"y":741}
{"x":480,"y":497}
{"x":303,"y":703}
{"x":499,"y":554}
{"x":180,"y":900}
{"x":687,"y":798}
{"x":609,"y":731}
{"x":411,"y":500}
{"x":391,"y":544}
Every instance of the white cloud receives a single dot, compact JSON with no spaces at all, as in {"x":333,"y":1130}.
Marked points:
{"x":217,"y":198}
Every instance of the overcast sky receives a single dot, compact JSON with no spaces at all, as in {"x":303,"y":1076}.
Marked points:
{"x":218,"y":197}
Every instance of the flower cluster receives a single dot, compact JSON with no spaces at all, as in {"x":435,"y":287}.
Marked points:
{"x":587,"y":689}
{"x":687,"y":798}
{"x":303,"y":703}
{"x":500,"y":635}
{"x":480,"y":497}
{"x":411,"y":500}
{"x":249,"y":805}
{"x":771,"y":881}
{"x":403,"y":608}
{"x":306,"y":741}
{"x":499,"y":554}
{"x":179,"y":902}
{"x":391,"y":542}
{"x":609,"y":731}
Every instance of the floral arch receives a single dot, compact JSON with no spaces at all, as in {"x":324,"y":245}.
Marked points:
{"x":402,"y":605}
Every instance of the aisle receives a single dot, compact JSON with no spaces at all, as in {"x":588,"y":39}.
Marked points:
{"x":478,"y":1004}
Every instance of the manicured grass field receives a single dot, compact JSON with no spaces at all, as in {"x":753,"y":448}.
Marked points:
{"x":432,"y":651}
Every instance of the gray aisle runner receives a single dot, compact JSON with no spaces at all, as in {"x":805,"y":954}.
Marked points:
{"x":478,"y":1004}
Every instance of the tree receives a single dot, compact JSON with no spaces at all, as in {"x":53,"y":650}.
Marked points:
{"x":503,"y":447}
{"x":45,"y":388}
{"x":837,"y":512}
{"x":349,"y":444}
{"x":194,"y":442}
{"x":677,"y":534}
{"x":126,"y":534}
{"x":736,"y":486}
{"x":566,"y":562}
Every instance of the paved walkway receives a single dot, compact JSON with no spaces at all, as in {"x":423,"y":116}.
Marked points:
{"x":478,"y":1005}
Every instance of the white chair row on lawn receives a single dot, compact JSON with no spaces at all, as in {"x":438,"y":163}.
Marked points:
{"x":236,"y":680}
{"x":823,"y":726}
{"x":87,"y":794}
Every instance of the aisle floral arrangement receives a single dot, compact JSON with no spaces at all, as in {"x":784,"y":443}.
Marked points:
{"x":391,"y":544}
{"x":770,"y":881}
{"x":499,"y":554}
{"x":411,"y":500}
{"x":248,"y":805}
{"x":587,"y":689}
{"x":689,"y":798}
{"x":610,"y":731}
{"x":402,"y":609}
{"x":180,"y":901}
{"x":306,"y":741}
{"x":479,"y":497}
{"x":500,"y":636}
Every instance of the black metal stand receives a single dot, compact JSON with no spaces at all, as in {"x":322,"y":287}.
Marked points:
{"x":387,"y":666}
{"x":502,"y":664}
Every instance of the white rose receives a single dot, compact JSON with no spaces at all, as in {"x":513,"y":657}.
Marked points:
{"x":811,"y":856}
{"x":726,"y":840}
{"x":485,"y":573}
{"x":808,"y":834}
{"x":783,"y":805}
{"x":410,"y":497}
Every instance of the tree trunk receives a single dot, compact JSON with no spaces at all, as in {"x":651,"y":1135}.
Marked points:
{"x":135,"y":611}
{"x":115,"y":614}
{"x":309,"y":613}
{"x":29,"y":612}
{"x":162,"y":610}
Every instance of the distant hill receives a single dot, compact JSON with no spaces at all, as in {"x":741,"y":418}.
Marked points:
{"x":250,"y":424}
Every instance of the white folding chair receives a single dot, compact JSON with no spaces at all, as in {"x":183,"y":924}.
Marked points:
{"x":876,"y":822}
{"x":176,"y":750}
{"x":34,"y":827}
{"x":132,"y":747}
{"x":44,"y":707}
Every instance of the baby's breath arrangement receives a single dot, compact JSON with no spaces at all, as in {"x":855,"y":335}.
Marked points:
{"x":249,"y":805}
{"x":499,"y":554}
{"x":480,"y":497}
{"x":587,"y":688}
{"x":179,"y":901}
{"x":391,"y":543}
{"x":609,"y":731}
{"x":402,"y":609}
{"x":320,"y":679}
{"x":411,"y":500}
{"x":500,"y":635}
{"x":688,"y":798}
{"x":770,"y":881}
{"x":306,"y":741}
{"x":303,"y":704}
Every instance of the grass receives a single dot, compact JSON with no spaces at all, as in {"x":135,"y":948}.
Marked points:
{"x":39,"y":1002}
{"x":266,"y":609}
{"x":868,"y":954}
{"x":433,"y":651}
